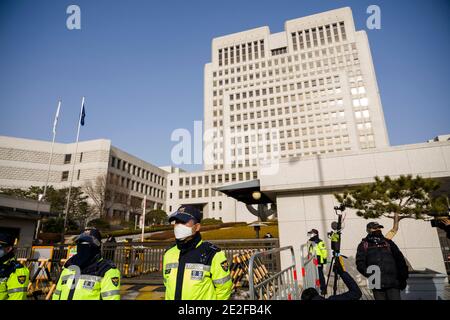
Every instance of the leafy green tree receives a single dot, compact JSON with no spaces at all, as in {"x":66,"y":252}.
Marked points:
{"x":156,"y":217}
{"x":403,"y":198}
{"x":19,"y":193}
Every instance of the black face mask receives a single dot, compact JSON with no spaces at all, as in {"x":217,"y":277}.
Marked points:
{"x":86,"y":254}
{"x":6,"y":256}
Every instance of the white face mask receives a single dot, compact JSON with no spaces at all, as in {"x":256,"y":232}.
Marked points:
{"x":182,"y":232}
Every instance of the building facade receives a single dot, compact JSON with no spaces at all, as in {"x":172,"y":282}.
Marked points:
{"x":25,"y":163}
{"x":304,"y":192}
{"x":308,"y":90}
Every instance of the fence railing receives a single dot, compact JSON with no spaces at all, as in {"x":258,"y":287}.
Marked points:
{"x":310,"y":271}
{"x":276,"y":285}
{"x":139,"y":258}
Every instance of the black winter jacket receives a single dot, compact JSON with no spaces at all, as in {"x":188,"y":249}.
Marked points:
{"x":375,"y":249}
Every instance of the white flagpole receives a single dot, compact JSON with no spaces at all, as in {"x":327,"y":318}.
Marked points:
{"x":42,"y":198}
{"x":73,"y":166}
{"x":143,"y":217}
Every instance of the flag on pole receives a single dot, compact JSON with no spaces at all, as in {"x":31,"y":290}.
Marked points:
{"x":83,"y":114}
{"x":55,"y":122}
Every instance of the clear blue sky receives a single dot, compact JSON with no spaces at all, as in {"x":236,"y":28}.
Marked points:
{"x":140,"y":65}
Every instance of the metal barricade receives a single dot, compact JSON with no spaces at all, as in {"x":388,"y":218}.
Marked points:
{"x":310,"y":270}
{"x":281,"y":285}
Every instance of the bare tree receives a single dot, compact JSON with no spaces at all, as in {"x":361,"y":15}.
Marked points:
{"x":101,"y":192}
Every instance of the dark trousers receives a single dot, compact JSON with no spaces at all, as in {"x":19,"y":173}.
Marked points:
{"x":323,"y":284}
{"x":386,"y":294}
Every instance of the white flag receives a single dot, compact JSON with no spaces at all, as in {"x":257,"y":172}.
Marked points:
{"x":55,"y":122}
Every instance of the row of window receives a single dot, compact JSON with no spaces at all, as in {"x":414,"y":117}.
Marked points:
{"x":68,"y":158}
{"x":327,"y":34}
{"x":287,"y":87}
{"x":356,"y":81}
{"x":197,"y":193}
{"x":310,"y":119}
{"x":136,"y":171}
{"x":304,"y":57}
{"x":65,"y":175}
{"x":278,"y":51}
{"x":241,"y":52}
{"x":133,"y":185}
{"x":326,"y":65}
{"x":282,"y":146}
{"x":296,"y":132}
{"x":288,"y":110}
{"x":285,"y":154}
{"x":286,"y":122}
{"x":217,"y":178}
{"x":304,"y":39}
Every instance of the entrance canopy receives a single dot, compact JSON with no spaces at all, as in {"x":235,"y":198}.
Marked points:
{"x":248,"y":192}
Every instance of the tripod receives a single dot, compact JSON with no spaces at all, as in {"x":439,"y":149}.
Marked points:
{"x":335,"y":237}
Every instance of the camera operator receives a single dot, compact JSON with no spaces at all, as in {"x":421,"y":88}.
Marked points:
{"x":353,"y":293}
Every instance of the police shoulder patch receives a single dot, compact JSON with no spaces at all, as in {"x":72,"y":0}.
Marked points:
{"x":224,"y":265}
{"x":115,"y":281}
{"x":213,"y":247}
{"x":21,"y":279}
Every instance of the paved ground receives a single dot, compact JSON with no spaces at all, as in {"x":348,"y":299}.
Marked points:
{"x":153,"y":289}
{"x":142,"y":292}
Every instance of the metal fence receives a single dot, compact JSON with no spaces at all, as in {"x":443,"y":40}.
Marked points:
{"x":275,"y":285}
{"x":134,"y":259}
{"x":310,"y":271}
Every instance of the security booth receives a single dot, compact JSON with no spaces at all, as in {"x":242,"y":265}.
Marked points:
{"x":247,"y":192}
{"x":19,"y":217}
{"x":249,"y":268}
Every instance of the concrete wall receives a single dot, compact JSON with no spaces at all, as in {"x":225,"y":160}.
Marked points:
{"x":27,"y":229}
{"x":304,"y":194}
{"x":24,"y":162}
{"x":301,"y":212}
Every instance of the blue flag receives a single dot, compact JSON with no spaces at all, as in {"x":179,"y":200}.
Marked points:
{"x":83,"y":114}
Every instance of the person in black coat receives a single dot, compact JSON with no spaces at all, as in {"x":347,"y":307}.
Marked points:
{"x":353,"y":292}
{"x":376,"y":250}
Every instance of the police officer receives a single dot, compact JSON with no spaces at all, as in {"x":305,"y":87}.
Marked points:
{"x":14,"y":277}
{"x":194,"y":269}
{"x":317,"y":246}
{"x":87,"y":276}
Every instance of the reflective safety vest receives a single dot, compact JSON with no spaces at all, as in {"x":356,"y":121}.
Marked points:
{"x":14,"y":279}
{"x":320,"y":250}
{"x":199,"y":274}
{"x":102,"y":286}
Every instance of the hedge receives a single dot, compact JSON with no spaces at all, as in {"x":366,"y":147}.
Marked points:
{"x":126,"y":232}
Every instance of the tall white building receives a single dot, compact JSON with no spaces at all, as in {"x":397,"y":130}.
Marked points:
{"x":308,"y":90}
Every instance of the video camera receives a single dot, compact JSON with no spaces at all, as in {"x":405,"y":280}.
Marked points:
{"x":336,"y":227}
{"x":335,"y":237}
{"x":340,"y":208}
